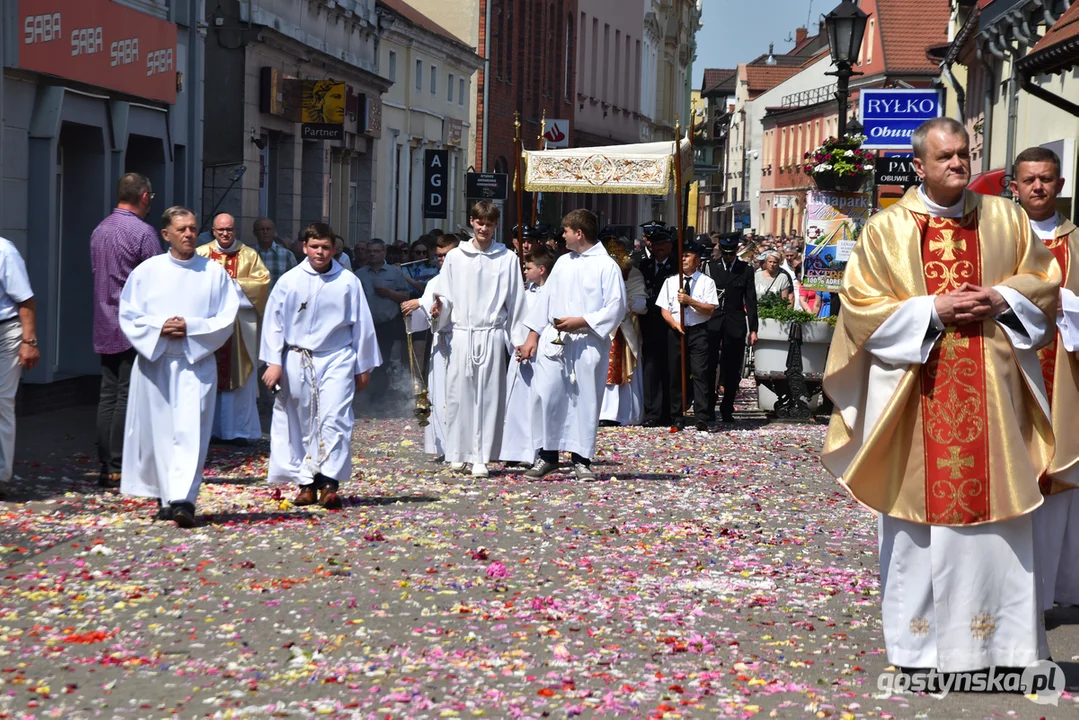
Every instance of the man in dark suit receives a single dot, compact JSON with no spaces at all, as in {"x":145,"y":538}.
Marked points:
{"x":728,"y":325}
{"x":654,"y":330}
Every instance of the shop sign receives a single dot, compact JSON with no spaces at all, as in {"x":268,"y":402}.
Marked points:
{"x":436,"y":179}
{"x":890,"y":116}
{"x":487,"y":186}
{"x":556,"y":134}
{"x":895,"y":170}
{"x":322,"y":116}
{"x":100,"y":43}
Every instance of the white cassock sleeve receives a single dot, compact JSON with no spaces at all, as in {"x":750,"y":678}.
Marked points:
{"x":272,"y":350}
{"x":143,"y":329}
{"x":206,"y":334}
{"x":516,"y":329}
{"x":606,"y":320}
{"x":1025,"y":324}
{"x":364,"y":342}
{"x":637,"y":293}
{"x":908,"y":335}
{"x":1068,"y":319}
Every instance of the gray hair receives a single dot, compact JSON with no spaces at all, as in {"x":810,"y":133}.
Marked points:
{"x":172,"y":213}
{"x":772,"y":253}
{"x":947,"y":125}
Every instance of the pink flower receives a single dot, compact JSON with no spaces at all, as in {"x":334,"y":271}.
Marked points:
{"x":497,"y":570}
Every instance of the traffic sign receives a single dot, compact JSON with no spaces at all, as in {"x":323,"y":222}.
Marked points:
{"x":487,"y":186}
{"x":889,"y":116}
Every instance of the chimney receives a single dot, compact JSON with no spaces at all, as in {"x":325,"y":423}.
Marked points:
{"x":799,"y":35}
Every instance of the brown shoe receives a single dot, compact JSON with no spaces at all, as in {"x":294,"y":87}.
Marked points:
{"x":108,"y":480}
{"x":328,"y":498}
{"x":306,"y":496}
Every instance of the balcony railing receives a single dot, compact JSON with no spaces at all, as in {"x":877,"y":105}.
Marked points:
{"x":810,"y":97}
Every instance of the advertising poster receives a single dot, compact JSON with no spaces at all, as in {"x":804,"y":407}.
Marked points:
{"x":834,"y":220}
{"x":323,"y":113}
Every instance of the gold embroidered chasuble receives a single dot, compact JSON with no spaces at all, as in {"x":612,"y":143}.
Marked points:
{"x":1060,"y":370}
{"x":962,"y":439}
{"x":236,"y":358}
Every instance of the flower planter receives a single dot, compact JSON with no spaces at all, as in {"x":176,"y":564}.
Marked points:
{"x":849,"y":183}
{"x":825,"y":182}
{"x":770,"y":359}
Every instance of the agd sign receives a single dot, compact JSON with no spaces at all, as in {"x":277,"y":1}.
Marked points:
{"x":891,"y":116}
{"x":436,"y":178}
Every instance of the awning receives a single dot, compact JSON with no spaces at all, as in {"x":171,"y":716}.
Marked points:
{"x":988,"y":183}
{"x":639,"y":169}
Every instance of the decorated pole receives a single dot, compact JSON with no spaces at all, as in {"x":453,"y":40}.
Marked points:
{"x":678,"y":260}
{"x":519,"y":186}
{"x":535,"y":196}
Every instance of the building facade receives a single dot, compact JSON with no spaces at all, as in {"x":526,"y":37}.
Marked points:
{"x":276,"y":64}
{"x":90,"y":89}
{"x":711,"y":143}
{"x":428,"y":107}
{"x":608,"y":99}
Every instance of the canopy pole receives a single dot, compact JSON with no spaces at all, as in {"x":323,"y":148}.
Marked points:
{"x":535,"y":196}
{"x":678,"y":259}
{"x":520,"y":188}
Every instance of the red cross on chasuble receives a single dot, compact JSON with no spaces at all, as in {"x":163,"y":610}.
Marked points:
{"x":223,"y":355}
{"x":954,"y":416}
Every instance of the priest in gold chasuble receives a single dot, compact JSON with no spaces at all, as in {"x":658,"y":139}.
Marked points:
{"x":1037,"y":184}
{"x":236,"y":417}
{"x":941,"y":421}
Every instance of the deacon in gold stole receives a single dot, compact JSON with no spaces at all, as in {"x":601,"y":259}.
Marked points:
{"x":941,"y":421}
{"x":236,"y":418}
{"x":1037,"y":184}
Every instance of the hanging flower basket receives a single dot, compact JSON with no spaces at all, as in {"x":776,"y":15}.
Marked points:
{"x":839,"y":164}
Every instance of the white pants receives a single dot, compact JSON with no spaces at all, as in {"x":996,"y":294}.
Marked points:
{"x":237,"y":412}
{"x":960,"y":598}
{"x":10,"y":372}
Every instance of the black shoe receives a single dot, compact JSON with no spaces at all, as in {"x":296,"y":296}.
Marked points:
{"x":656,"y":423}
{"x":240,"y":442}
{"x":609,"y":423}
{"x":679,"y":425}
{"x":702,"y":426}
{"x":164,"y":512}
{"x":183,"y":514}
{"x":728,"y":418}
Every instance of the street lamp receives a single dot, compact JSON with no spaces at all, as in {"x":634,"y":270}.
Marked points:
{"x":846,"y":28}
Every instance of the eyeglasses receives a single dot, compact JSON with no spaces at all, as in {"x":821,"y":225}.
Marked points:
{"x":227,"y":231}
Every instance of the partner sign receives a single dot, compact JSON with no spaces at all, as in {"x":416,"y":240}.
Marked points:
{"x":891,"y":116}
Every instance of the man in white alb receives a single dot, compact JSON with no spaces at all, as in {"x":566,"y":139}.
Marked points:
{"x":176,"y":309}
{"x":319,"y":345}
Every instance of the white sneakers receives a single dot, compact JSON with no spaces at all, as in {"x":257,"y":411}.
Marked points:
{"x":457,"y":467}
{"x":479,"y":470}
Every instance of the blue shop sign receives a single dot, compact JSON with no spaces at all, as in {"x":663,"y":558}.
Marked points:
{"x":891,"y":116}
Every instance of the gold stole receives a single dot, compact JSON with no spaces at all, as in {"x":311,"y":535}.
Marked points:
{"x":953,"y":383}
{"x":224,"y":354}
{"x":1048,"y":354}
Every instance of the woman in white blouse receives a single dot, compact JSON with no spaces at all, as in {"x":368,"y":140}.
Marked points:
{"x":770,"y":279}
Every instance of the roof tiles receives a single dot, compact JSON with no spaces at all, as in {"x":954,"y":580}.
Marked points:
{"x":910,"y":27}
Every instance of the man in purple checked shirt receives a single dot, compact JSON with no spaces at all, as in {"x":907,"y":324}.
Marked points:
{"x":117,"y":246}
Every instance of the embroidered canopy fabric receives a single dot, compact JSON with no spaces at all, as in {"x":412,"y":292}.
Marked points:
{"x":643,"y":169}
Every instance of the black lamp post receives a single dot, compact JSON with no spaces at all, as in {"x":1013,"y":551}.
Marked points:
{"x":846,"y":28}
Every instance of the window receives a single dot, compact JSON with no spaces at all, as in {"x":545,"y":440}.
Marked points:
{"x":595,"y":55}
{"x":449,"y":89}
{"x":419,"y":74}
{"x":461,"y":91}
{"x":566,"y":61}
{"x":869,"y":41}
{"x":434,"y":79}
{"x":392,"y":69}
{"x":617,"y":65}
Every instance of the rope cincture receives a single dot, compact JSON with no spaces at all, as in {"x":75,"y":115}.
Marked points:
{"x":423,"y":403}
{"x":307,"y":365}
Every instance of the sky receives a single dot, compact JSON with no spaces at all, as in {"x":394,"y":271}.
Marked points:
{"x":739,"y":30}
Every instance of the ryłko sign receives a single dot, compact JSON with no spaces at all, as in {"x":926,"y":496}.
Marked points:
{"x":99,"y":42}
{"x":891,"y":116}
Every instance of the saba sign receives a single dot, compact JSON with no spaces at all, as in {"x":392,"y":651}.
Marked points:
{"x":890,"y":116}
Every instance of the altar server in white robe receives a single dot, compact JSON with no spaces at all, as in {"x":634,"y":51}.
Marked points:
{"x":418,"y":313}
{"x":482,"y":291}
{"x":518,"y":435}
{"x":623,"y":396}
{"x":941,"y":422}
{"x":1037,"y":184}
{"x":319,"y":345}
{"x":176,"y":309}
{"x":570,"y":341}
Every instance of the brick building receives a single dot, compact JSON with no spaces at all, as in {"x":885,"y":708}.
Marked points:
{"x":531,"y":70}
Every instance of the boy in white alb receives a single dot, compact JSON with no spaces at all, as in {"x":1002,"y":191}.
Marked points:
{"x":572,"y":350}
{"x":417,"y":311}
{"x":480,"y":290}
{"x":319,"y":344}
{"x":518,"y":435}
